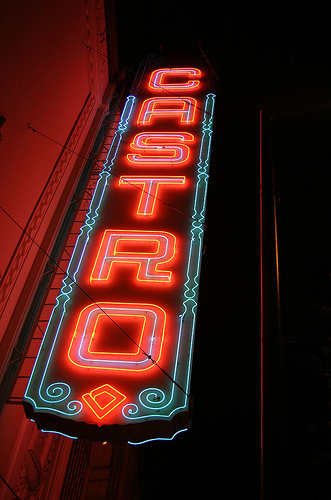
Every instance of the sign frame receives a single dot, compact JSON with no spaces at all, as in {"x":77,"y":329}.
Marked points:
{"x":161,"y":409}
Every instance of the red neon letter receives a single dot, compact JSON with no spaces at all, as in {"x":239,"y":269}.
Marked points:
{"x":149,"y":189}
{"x":170,"y":78}
{"x":167,"y":107}
{"x":147,"y":250}
{"x":99,"y":340}
{"x":164,"y":148}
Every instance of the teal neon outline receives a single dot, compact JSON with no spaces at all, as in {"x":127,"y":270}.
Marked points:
{"x":193,"y":269}
{"x":159,"y":439}
{"x":60,"y":433}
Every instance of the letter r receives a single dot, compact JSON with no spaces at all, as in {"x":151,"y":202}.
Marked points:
{"x":146,"y":250}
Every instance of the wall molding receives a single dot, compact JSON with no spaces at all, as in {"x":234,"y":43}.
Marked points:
{"x":34,"y":223}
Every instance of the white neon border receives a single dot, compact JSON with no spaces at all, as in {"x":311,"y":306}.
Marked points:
{"x":108,"y":363}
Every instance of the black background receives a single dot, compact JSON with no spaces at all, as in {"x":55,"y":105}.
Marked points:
{"x":274,"y":56}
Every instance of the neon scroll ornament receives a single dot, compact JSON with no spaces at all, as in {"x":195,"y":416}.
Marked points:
{"x":116,"y":358}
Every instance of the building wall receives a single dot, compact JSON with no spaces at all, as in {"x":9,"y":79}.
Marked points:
{"x":59,"y":68}
{"x":51,"y":81}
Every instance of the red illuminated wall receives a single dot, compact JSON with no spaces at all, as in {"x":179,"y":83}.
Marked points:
{"x":52,"y":81}
{"x":54,"y":94}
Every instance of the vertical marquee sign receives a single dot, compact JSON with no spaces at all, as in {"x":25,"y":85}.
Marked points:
{"x":116,"y":358}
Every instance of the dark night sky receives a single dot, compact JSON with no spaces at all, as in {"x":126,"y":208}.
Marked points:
{"x":269,"y":54}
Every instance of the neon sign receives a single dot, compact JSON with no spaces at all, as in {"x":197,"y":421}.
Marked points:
{"x":115,"y":362}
